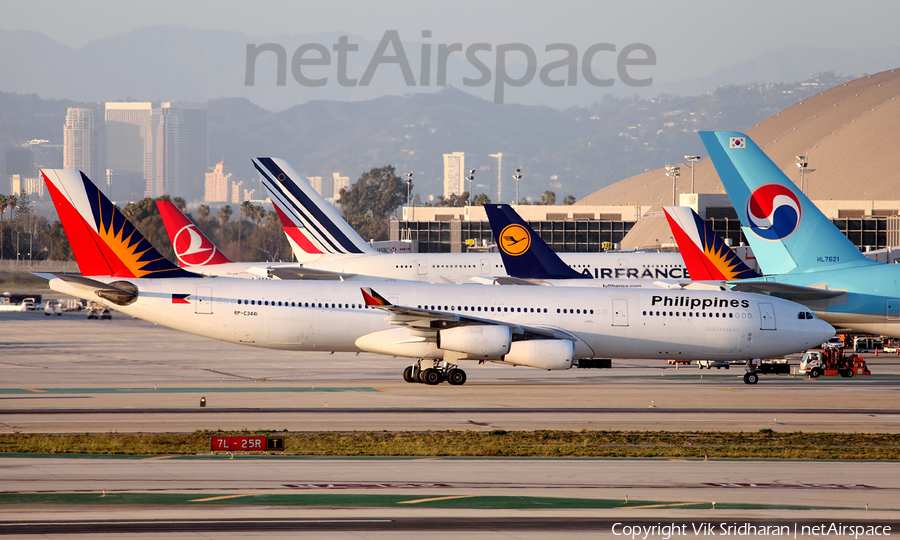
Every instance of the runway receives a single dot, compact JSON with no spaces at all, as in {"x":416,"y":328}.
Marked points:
{"x":70,"y":375}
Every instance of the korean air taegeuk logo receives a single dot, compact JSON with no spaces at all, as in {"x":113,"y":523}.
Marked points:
{"x":773,"y":212}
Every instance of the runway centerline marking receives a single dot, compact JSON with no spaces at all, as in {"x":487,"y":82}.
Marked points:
{"x":664,"y":505}
{"x":221,"y":498}
{"x":416,"y":501}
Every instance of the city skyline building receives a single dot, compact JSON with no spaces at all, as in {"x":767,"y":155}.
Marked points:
{"x":128,"y":148}
{"x":454,"y":173}
{"x":502,"y":168}
{"x":218,"y":182}
{"x":84,"y":142}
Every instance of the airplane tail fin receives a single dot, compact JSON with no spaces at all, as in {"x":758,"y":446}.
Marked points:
{"x":192,"y":247}
{"x":705,"y":254}
{"x":105,"y":243}
{"x":524,"y":253}
{"x":313,"y":226}
{"x":785,"y":229}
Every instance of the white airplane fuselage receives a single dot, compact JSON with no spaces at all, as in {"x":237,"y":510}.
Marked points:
{"x":331,"y":316}
{"x":463,"y":267}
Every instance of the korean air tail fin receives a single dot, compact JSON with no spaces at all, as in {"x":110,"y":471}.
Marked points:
{"x":705,"y":254}
{"x":105,"y":243}
{"x":785,"y":229}
{"x":524,"y":253}
{"x":313,"y":226}
{"x":192,"y":247}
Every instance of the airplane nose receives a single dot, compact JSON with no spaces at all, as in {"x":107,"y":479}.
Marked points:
{"x":824,"y":330}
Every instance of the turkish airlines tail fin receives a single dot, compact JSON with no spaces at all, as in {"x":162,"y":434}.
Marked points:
{"x":525,"y":254}
{"x":705,"y":254}
{"x":105,"y":243}
{"x":312,"y":225}
{"x":785,"y":229}
{"x":192,"y":247}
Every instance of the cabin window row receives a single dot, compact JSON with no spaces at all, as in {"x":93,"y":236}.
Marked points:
{"x":495,"y":309}
{"x":696,"y":314}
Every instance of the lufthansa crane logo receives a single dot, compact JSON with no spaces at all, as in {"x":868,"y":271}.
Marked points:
{"x":515,"y":240}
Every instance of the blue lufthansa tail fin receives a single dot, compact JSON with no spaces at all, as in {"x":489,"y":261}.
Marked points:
{"x":785,"y":229}
{"x":525,"y":255}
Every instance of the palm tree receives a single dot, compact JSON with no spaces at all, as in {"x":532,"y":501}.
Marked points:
{"x":224,"y":215}
{"x":2,"y":209}
{"x":548,"y":198}
{"x":203,"y":211}
{"x":480,"y":200}
{"x":569,"y":200}
{"x":246,"y":211}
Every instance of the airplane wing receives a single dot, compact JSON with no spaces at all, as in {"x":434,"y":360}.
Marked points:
{"x":308,"y":274}
{"x":795,"y":293}
{"x":431,"y":320}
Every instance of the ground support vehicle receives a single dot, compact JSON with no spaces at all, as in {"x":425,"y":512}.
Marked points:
{"x":831,"y":362}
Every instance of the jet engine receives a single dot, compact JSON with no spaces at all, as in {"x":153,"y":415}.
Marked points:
{"x":542,"y":354}
{"x":399,"y":342}
{"x":477,"y":342}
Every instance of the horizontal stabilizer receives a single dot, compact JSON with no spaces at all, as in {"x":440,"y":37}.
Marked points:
{"x":795,"y":293}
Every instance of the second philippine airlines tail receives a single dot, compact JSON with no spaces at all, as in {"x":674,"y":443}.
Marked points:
{"x":706,"y":255}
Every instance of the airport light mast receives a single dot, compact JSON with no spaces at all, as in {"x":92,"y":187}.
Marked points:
{"x":673,"y":172}
{"x":408,"y":186}
{"x":517,"y":177}
{"x":802,"y":164}
{"x":691,"y":160}
{"x":470,"y":178}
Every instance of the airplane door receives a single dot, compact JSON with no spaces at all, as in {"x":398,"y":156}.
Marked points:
{"x":203,"y":301}
{"x":893,"y":310}
{"x":486,"y":267}
{"x":766,"y":316}
{"x":422,"y":266}
{"x":620,"y":312}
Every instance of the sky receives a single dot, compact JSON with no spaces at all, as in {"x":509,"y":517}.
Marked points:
{"x":686,"y":34}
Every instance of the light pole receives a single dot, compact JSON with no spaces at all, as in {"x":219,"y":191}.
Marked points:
{"x":517,"y":177}
{"x":470,"y":178}
{"x":802,"y":165}
{"x":692,"y":159}
{"x":673,"y":172}
{"x":408,"y":185}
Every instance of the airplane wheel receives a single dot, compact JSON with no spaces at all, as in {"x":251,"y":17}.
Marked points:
{"x":751,"y":378}
{"x":815,"y":373}
{"x":456,"y":377}
{"x":431,"y":376}
{"x":408,"y":374}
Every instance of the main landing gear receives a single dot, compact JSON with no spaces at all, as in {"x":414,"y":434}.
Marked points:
{"x":434,"y":372}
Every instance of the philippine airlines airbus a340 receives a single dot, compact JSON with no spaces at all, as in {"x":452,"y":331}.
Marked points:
{"x":541,"y":327}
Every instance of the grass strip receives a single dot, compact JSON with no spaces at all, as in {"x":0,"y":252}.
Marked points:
{"x":497,"y":443}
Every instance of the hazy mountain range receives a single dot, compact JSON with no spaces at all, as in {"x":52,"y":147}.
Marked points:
{"x":172,"y":63}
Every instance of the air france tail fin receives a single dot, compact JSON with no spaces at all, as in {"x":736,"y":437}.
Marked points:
{"x":313,"y":226}
{"x":524,"y":253}
{"x":105,"y":243}
{"x":785,"y":229}
{"x":705,"y":254}
{"x":192,"y":247}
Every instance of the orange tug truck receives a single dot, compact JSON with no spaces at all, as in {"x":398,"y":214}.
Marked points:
{"x":828,"y":362}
